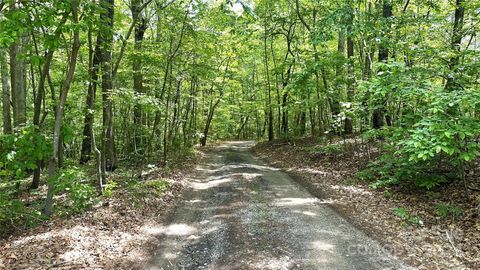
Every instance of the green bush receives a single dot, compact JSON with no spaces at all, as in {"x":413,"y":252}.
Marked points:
{"x":446,"y":210}
{"x":20,"y":151}
{"x":80,"y":194}
{"x":436,"y":137}
{"x":14,"y":214}
{"x":109,"y":188}
{"x":139,"y":190}
{"x":329,"y":149}
{"x":389,"y":170}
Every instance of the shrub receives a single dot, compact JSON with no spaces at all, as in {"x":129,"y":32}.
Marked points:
{"x":20,"y":151}
{"x":80,"y":194}
{"x":438,"y":135}
{"x":446,"y":210}
{"x":406,"y":218}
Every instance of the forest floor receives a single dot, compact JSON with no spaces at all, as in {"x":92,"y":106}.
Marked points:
{"x":239,"y":201}
{"x":433,"y":242}
{"x":111,"y":235}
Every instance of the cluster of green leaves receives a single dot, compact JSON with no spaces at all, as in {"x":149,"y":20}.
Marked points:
{"x":406,"y":218}
{"x":137,"y":191}
{"x":448,"y":210}
{"x":430,"y":142}
{"x":20,"y":151}
{"x":393,"y":170}
{"x":18,"y":155}
{"x":329,"y":149}
{"x":77,"y":188}
{"x":15,"y":214}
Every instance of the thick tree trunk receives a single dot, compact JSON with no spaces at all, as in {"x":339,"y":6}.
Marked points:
{"x":109,"y":158}
{"x":7,"y":120}
{"x":94,"y":61}
{"x":383,"y":50}
{"x":457,"y":36}
{"x":18,"y":86}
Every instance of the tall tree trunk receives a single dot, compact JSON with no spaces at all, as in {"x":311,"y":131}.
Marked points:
{"x":378,"y":117}
{"x":335,"y":98}
{"x":7,"y":120}
{"x":383,"y":50}
{"x":208,"y":123}
{"x":139,"y":33}
{"x":269,"y":92}
{"x":286,"y":79}
{"x":277,"y":90}
{"x":18,"y":83}
{"x":52,"y":166}
{"x":457,"y":36}
{"x":109,"y":158}
{"x":351,"y":69}
{"x":94,"y":61}
{"x":39,"y":99}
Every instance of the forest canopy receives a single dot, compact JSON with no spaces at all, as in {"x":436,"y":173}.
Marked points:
{"x":108,"y":84}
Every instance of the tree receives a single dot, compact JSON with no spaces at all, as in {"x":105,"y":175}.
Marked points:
{"x":378,"y":117}
{"x":109,"y":155}
{"x":7,"y":121}
{"x":17,"y":74}
{"x":72,"y":64}
{"x":457,"y":36}
{"x":140,"y":28}
{"x":351,"y":66}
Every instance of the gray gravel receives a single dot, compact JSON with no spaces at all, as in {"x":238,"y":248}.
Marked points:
{"x":242,"y":214}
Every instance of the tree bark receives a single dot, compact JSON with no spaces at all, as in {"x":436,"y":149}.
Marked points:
{"x":351,"y":68}
{"x":457,"y":36}
{"x":269,"y":92}
{"x":139,"y":33}
{"x":109,"y":158}
{"x":18,"y":83}
{"x":40,"y":98}
{"x":378,"y":117}
{"x":213,"y":107}
{"x":339,"y":73}
{"x":94,"y":61}
{"x":7,"y":120}
{"x":52,"y":166}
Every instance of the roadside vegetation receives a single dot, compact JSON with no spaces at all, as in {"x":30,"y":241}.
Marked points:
{"x":413,"y":222}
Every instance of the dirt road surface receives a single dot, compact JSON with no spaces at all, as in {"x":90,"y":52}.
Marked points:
{"x":243,"y":214}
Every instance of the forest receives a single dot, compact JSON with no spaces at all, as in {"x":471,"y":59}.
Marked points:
{"x":94,"y":88}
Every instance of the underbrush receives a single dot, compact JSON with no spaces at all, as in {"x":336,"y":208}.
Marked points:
{"x":76,"y":192}
{"x":21,"y":208}
{"x":424,"y":160}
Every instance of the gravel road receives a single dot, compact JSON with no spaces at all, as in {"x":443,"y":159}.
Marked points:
{"x":243,"y":214}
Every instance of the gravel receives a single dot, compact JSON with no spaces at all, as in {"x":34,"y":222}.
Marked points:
{"x":239,"y":213}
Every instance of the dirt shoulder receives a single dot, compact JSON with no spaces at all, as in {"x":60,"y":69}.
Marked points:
{"x":435,"y":243}
{"x":112,"y":235}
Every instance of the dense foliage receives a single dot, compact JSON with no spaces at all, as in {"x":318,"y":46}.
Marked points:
{"x":143,"y":80}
